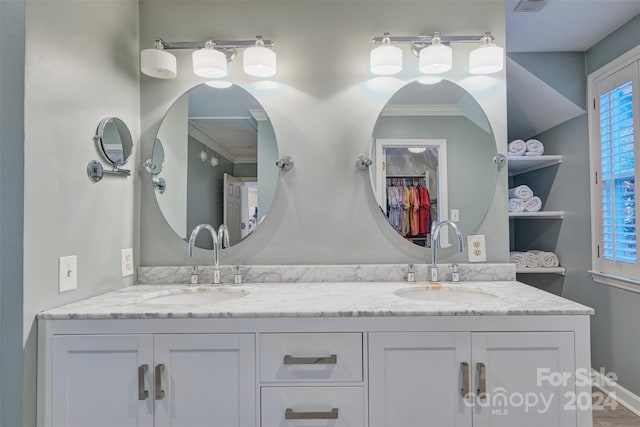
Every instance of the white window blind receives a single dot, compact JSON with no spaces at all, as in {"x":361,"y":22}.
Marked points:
{"x":618,"y":174}
{"x":614,"y":125}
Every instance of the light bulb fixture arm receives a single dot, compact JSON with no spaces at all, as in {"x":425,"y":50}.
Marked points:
{"x":218,"y":44}
{"x":428,"y":39}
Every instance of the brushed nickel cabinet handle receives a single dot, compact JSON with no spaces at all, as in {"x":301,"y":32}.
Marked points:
{"x":465,"y":380}
{"x":290,"y":414}
{"x":159,"y":392}
{"x":142,"y":392}
{"x":321,"y":360}
{"x":482,"y":374}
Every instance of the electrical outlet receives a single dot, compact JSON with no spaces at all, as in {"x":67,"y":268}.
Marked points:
{"x":477,"y":248}
{"x":127,"y":262}
{"x":67,"y":273}
{"x":455,"y":215}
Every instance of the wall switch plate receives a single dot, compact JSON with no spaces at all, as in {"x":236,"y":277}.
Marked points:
{"x":67,"y":273}
{"x":477,"y":248}
{"x":127,"y":262}
{"x":455,"y":215}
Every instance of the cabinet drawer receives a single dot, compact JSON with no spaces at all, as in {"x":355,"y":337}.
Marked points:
{"x":326,"y":406}
{"x":311,"y":357}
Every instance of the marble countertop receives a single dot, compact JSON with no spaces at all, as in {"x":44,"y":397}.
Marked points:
{"x":346,"y":299}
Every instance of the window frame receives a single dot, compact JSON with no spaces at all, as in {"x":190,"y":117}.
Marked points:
{"x":626,"y":67}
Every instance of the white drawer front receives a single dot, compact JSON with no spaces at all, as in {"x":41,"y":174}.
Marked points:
{"x":312,"y":406}
{"x":311,"y":357}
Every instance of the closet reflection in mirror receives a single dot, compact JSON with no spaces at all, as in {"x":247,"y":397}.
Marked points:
{"x":219,"y":155}
{"x":432,"y":150}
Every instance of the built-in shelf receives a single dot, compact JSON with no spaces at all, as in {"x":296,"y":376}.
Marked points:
{"x":537,"y":215}
{"x":522,"y":164}
{"x":541,"y":270}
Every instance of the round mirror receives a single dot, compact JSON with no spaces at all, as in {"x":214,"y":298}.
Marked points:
{"x":115,"y":140}
{"x":219,"y":151}
{"x":157,"y":158}
{"x":433,"y":151}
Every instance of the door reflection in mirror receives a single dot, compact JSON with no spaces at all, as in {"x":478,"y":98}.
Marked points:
{"x":411,"y":184}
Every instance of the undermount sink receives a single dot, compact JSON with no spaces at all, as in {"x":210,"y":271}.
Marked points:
{"x":193,"y":296}
{"x":445,"y":293}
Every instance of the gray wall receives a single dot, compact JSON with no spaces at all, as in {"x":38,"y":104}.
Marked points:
{"x":81,"y":66}
{"x":11,"y":208}
{"x":323,"y":116}
{"x":615,"y":339}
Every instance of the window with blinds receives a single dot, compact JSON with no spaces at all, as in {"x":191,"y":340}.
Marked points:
{"x":614,"y":122}
{"x":617,"y":168}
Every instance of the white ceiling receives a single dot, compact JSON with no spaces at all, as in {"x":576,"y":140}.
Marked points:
{"x":566,"y":25}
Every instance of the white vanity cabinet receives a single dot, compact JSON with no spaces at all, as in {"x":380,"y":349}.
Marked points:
{"x":472,"y":379}
{"x":152,"y":380}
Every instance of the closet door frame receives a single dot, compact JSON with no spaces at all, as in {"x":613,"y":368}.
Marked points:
{"x":381,"y":144}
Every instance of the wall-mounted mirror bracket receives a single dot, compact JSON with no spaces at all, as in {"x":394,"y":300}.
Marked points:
{"x":500,"y":160}
{"x":160,"y":185}
{"x":363,"y":162}
{"x":285,"y":163}
{"x":95,"y":171}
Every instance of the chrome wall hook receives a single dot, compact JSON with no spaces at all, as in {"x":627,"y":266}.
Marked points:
{"x":363,"y":162}
{"x":285,"y":163}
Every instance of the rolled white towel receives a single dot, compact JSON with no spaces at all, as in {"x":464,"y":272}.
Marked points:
{"x":517,"y":258}
{"x":517,"y":148}
{"x":547,"y":259}
{"x":520,"y":192}
{"x":534,"y":204}
{"x":534,"y":148}
{"x":516,"y":205}
{"x":531,"y":260}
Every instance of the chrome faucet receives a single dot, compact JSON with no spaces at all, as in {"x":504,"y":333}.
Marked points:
{"x":435,"y":234}
{"x":220,"y":240}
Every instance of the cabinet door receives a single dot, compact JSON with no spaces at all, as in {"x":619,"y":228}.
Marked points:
{"x":95,"y":380}
{"x":416,"y":379}
{"x":208,"y":380}
{"x":522,"y":379}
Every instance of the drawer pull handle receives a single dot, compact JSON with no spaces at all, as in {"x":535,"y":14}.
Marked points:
{"x":482,"y":373}
{"x":159,"y":392}
{"x":142,"y":393}
{"x":322,"y":360}
{"x":465,"y":380}
{"x":290,"y":414}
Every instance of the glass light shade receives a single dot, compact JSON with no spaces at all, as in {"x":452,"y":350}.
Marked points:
{"x":219,"y":84}
{"x":259,"y":61}
{"x":486,"y":59}
{"x":209,"y":63}
{"x":158,"y":63}
{"x":435,"y":59}
{"x":417,"y":150}
{"x":386,"y":60}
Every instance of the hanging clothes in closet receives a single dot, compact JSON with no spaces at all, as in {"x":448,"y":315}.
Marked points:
{"x":409,"y":207}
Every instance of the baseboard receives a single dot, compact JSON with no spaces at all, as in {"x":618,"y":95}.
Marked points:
{"x":617,"y":392}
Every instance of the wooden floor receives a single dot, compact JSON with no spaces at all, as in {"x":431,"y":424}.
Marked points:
{"x":615,"y":417}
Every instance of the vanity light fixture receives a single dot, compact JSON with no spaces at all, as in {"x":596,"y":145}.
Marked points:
{"x":209,"y":62}
{"x":258,"y":61}
{"x":417,"y":150}
{"x":435,"y":58}
{"x":429,"y":80}
{"x":486,"y":59}
{"x":157,"y":62}
{"x":203,"y":156}
{"x":436,"y":55}
{"x":386,"y":60}
{"x":219,"y":84}
{"x":210,"y":57}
